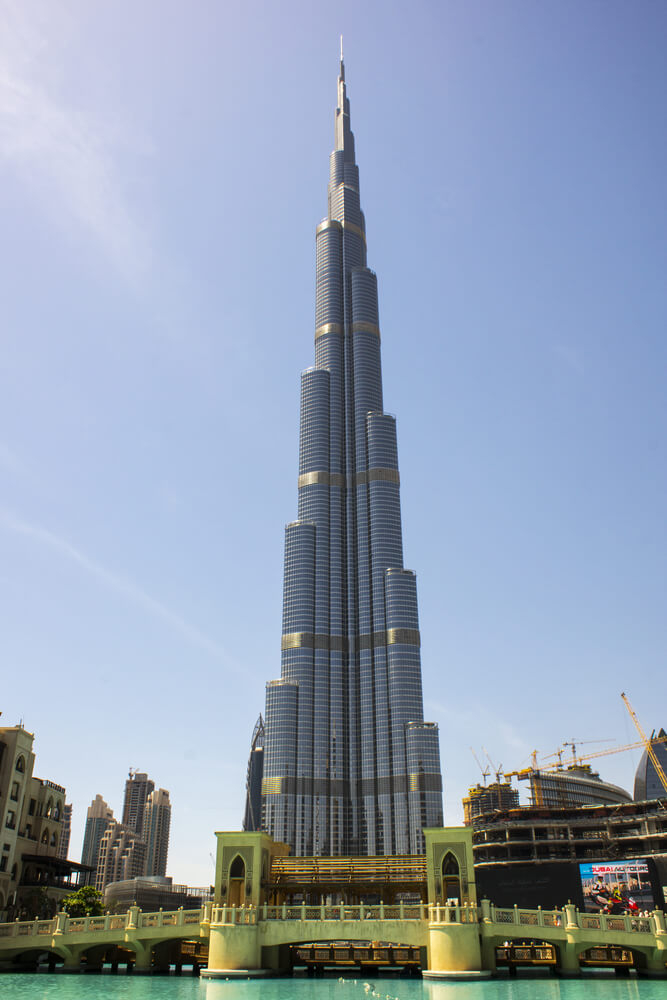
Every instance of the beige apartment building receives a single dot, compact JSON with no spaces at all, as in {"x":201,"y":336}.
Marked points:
{"x":33,"y":878}
{"x":121,"y":856}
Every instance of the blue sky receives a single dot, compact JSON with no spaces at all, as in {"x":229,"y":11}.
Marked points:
{"x":163,"y":168}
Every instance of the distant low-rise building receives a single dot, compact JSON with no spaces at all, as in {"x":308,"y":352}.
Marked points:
{"x":153,"y":893}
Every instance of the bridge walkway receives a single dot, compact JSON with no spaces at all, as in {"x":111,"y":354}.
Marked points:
{"x":454,"y":939}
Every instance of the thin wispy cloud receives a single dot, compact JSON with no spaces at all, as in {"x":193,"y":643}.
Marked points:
{"x":477,"y":717}
{"x":9,"y":461}
{"x":64,"y":154}
{"x":126,"y":588}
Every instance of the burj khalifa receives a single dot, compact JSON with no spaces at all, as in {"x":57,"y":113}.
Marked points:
{"x":350,"y":766}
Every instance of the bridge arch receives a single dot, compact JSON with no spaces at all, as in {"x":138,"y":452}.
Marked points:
{"x":641,"y":954}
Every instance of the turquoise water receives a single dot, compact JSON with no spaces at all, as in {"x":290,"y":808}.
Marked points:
{"x":44,"y":986}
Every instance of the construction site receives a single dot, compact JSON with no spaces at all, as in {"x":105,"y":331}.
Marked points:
{"x":576,"y":832}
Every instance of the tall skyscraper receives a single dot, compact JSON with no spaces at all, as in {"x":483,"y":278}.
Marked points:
{"x":647,"y":783}
{"x":157,"y":819}
{"x":98,"y":819}
{"x":137,"y":789}
{"x":252,"y":819}
{"x":350,"y":766}
{"x":66,"y":832}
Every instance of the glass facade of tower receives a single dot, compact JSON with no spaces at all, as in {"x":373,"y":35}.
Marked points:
{"x":350,"y":767}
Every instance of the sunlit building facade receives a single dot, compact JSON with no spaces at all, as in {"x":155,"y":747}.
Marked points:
{"x":349,"y":764}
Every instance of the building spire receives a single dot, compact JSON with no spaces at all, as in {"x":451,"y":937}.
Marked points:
{"x":344,"y":140}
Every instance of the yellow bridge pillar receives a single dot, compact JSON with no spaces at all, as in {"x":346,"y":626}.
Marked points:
{"x":568,"y":964}
{"x":454,"y":950}
{"x":234,"y":946}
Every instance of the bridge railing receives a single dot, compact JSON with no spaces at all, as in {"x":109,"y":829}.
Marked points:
{"x":23,"y":928}
{"x":571,"y":916}
{"x":134,"y":919}
{"x":302,"y":911}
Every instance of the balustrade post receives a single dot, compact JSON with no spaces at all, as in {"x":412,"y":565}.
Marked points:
{"x":657,"y":919}
{"x":361,"y":909}
{"x":401,"y":909}
{"x":571,"y":917}
{"x":303,"y":911}
{"x":322,"y":911}
{"x":265,"y":915}
{"x":516,"y":914}
{"x":61,"y":923}
{"x":284,"y":913}
{"x":341,"y":911}
{"x":540,"y":917}
{"x":437,"y":912}
{"x":486,"y":911}
{"x":421,"y":909}
{"x":382,"y":909}
{"x":107,"y":922}
{"x":160,"y":918}
{"x":180,"y":920}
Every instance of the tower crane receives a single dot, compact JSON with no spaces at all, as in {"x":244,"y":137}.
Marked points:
{"x":498,"y":771}
{"x":485,"y":773}
{"x":648,"y":744}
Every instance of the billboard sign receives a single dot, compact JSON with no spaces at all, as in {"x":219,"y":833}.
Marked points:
{"x":616,"y":886}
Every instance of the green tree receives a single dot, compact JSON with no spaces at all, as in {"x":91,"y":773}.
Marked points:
{"x":85,"y":902}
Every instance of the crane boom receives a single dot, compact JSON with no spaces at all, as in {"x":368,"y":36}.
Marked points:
{"x":648,"y":744}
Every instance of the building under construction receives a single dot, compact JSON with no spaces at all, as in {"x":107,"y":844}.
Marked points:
{"x":534,"y":855}
{"x":570,"y":786}
{"x":483,"y":799}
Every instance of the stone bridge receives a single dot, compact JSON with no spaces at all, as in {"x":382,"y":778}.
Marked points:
{"x":455,"y":940}
{"x":71,"y":939}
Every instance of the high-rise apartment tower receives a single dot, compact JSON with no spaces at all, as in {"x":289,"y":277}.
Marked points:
{"x":350,"y":766}
{"x":137,"y":789}
{"x":157,"y":819}
{"x":98,"y":819}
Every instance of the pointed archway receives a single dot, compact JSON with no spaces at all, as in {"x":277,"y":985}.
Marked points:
{"x":451,"y":881}
{"x":237,"y":881}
